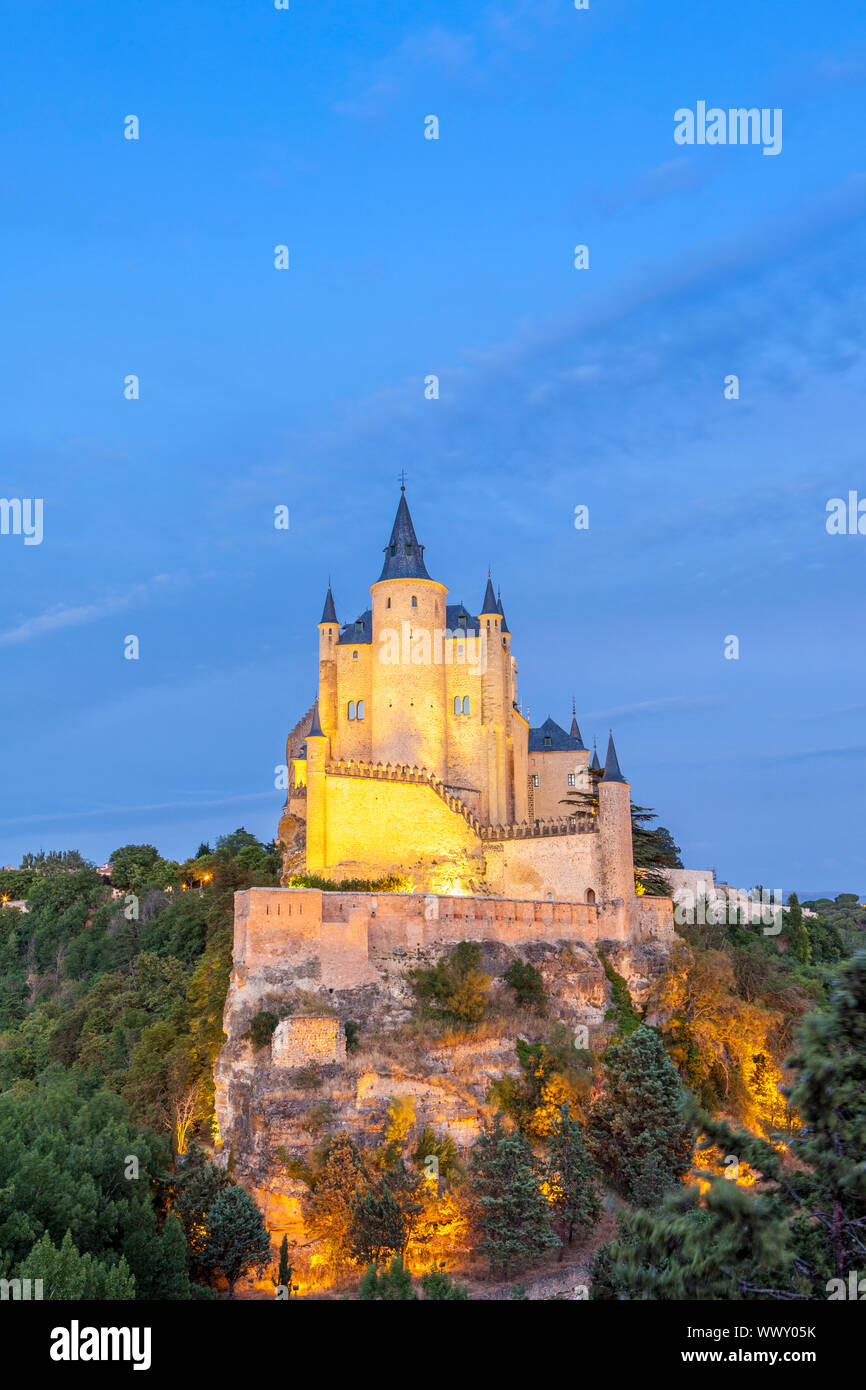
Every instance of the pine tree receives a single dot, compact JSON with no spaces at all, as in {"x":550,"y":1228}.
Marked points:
{"x":67,"y":1274}
{"x":175,"y":1260}
{"x":513,"y":1216}
{"x":237,"y":1240}
{"x":392,"y":1285}
{"x":378,"y":1226}
{"x":285,"y":1271}
{"x":798,"y":936}
{"x":571,"y":1179}
{"x":439,"y":1287}
{"x":636,"y":1129}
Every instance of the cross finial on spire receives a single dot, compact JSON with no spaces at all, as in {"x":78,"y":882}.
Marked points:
{"x":402,"y":479}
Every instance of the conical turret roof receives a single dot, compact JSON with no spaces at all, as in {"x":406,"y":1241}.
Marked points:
{"x":611,"y":764}
{"x":404,"y":557}
{"x":329,"y":613}
{"x":489,"y":604}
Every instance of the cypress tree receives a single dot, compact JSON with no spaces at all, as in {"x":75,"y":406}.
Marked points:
{"x":798,"y":936}
{"x":513,"y":1216}
{"x":636,"y":1129}
{"x":571,"y":1179}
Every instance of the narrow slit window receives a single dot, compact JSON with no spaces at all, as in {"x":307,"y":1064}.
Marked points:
{"x":351,"y":709}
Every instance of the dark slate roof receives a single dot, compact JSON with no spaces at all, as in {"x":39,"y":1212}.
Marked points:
{"x":351,"y":636}
{"x":575,"y":731}
{"x":315,"y":728}
{"x":560,"y":741}
{"x":611,"y":764}
{"x":489,"y":604}
{"x":595,"y":765}
{"x":404,"y":557}
{"x":501,"y":611}
{"x":455,"y":611}
{"x":329,"y":613}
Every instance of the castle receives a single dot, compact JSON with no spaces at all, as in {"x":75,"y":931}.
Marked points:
{"x":416,"y":761}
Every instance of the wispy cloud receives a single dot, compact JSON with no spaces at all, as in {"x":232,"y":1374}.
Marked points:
{"x":65,"y":615}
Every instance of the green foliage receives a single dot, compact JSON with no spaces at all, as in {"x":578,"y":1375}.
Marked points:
{"x":528,"y":985}
{"x":628,"y":1018}
{"x":237,"y":1240}
{"x":571,"y":1179}
{"x":393,"y":1284}
{"x":66,"y":1274}
{"x":512,"y":1215}
{"x":439,"y":1287}
{"x":352,"y":1031}
{"x":284,"y":1270}
{"x":798,"y":937}
{"x":552,"y":1073}
{"x":455,"y":988}
{"x":378,"y":1226}
{"x":636,"y":1129}
{"x":653,"y":852}
{"x":442,"y":1147}
{"x":261,"y":1028}
{"x":391,"y":883}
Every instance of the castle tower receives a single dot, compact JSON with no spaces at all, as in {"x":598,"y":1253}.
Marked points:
{"x":495,"y":708}
{"x":614,"y":823}
{"x":408,"y":687}
{"x":329,"y":633}
{"x":317,"y":809}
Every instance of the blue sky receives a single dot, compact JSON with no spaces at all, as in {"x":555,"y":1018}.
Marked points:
{"x":558,"y":387}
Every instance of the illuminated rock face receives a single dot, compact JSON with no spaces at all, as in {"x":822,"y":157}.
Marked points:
{"x":417,"y":761}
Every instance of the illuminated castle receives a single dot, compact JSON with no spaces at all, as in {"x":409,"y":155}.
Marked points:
{"x":416,"y":759}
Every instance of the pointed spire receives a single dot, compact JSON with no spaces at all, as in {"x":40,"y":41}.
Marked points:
{"x":404,"y":557}
{"x":501,"y":611}
{"x":329,"y":613}
{"x":316,"y":730}
{"x":611,"y":764}
{"x":595,"y":765}
{"x":574,"y":730}
{"x":489,"y":604}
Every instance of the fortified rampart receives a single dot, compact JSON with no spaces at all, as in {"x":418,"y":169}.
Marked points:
{"x":346,"y":939}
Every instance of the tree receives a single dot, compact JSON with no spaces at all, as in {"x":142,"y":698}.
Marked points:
{"x":798,"y":936}
{"x":67,"y":1274}
{"x":455,"y":987}
{"x":175,"y":1260}
{"x":378,"y":1226}
{"x":284,"y":1271}
{"x":439,"y":1287}
{"x":528,"y":985}
{"x":636,"y":1127}
{"x":570,"y":1179}
{"x":393,"y":1284}
{"x":132,"y":866}
{"x":197,"y":1185}
{"x":237,"y":1239}
{"x":337,"y":1177}
{"x":512,"y":1215}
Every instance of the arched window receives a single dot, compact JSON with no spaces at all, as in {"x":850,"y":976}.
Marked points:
{"x":354,"y":656}
{"x":590,"y":895}
{"x":360,"y":714}
{"x":456,"y":704}
{"x":351,"y":709}
{"x":388,"y":602}
{"x":465,"y":704}
{"x":414,"y":601}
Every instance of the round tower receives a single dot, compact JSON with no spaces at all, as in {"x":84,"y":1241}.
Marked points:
{"x":614,"y":823}
{"x":329,"y":633}
{"x":408,"y":710}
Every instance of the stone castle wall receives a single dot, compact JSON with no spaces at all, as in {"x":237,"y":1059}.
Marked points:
{"x":297,"y":1041}
{"x":345,"y":940}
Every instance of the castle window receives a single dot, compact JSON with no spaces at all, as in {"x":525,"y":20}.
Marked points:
{"x":351,"y":709}
{"x":456,"y":704}
{"x":571,"y":779}
{"x":354,"y":656}
{"x":360,"y":714}
{"x":461,"y":621}
{"x":590,"y":895}
{"x":465,"y":704}
{"x":409,"y":549}
{"x":414,"y":601}
{"x":535,"y":779}
{"x":547,"y":740}
{"x":387,"y":603}
{"x":359,"y":625}
{"x":393,"y":550}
